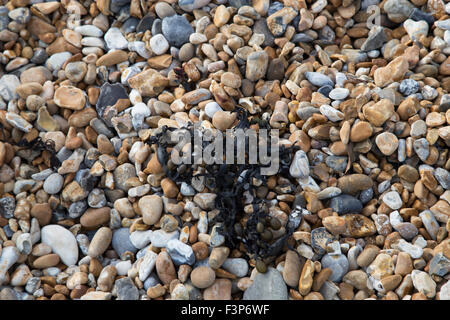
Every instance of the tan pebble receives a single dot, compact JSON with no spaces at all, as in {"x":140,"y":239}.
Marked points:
{"x":203,"y":277}
{"x":70,"y":97}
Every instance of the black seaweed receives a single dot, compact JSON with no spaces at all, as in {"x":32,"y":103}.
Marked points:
{"x":230,"y":182}
{"x":39,"y":145}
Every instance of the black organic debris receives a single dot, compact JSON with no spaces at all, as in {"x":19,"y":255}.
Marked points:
{"x":232,"y":183}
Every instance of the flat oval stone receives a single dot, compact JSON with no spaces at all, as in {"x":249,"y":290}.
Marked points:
{"x":62,"y":242}
{"x":344,"y":203}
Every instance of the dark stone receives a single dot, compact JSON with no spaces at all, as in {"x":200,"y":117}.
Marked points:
{"x":345,"y":203}
{"x":445,"y":103}
{"x":274,"y":7}
{"x":320,"y":238}
{"x":146,"y":23}
{"x":301,"y":37}
{"x":157,"y":27}
{"x":176,"y":29}
{"x":4,"y":19}
{"x":130,"y":25}
{"x":260,"y":26}
{"x":275,"y":71}
{"x":325,"y":90}
{"x":109,"y":94}
{"x":91,"y":156}
{"x":239,"y":3}
{"x":39,"y":56}
{"x":116,"y":5}
{"x":375,"y":39}
{"x":327,"y":35}
{"x":366,"y":195}
{"x":7,"y":207}
{"x":85,"y":179}
{"x":419,"y":15}
{"x":113,"y":195}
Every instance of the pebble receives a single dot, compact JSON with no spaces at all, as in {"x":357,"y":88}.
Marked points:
{"x":344,"y":203}
{"x":176,"y":29}
{"x":203,"y":277}
{"x":318,"y":79}
{"x":423,"y":283}
{"x":126,"y":289}
{"x":236,"y":266}
{"x":121,"y":241}
{"x":53,"y":183}
{"x":62,"y":242}
{"x":115,"y":40}
{"x":338,"y":264}
{"x":267,"y":286}
{"x":392,"y":200}
{"x":180,"y":253}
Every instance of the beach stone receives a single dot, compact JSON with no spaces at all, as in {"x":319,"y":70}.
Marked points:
{"x":257,"y":63}
{"x":344,"y":203}
{"x":408,"y":87}
{"x":353,"y":183}
{"x":338,"y":264}
{"x":8,"y":86}
{"x":53,"y":184}
{"x":62,"y":242}
{"x":267,"y":286}
{"x":115,"y":40}
{"x":300,"y":165}
{"x":443,"y":177}
{"x":151,"y":208}
{"x":444,"y":294}
{"x":203,"y":277}
{"x":423,"y":283}
{"x":165,"y":268}
{"x":361,"y":131}
{"x":237,"y":266}
{"x":439,"y":265}
{"x":320,"y":238}
{"x":126,"y":289}
{"x":122,"y":173}
{"x":100,"y":242}
{"x":416,"y":29}
{"x":160,"y":238}
{"x":407,"y":230}
{"x":380,"y":112}
{"x":7,"y":206}
{"x":109,"y":94}
{"x":176,"y":29}
{"x":292,"y":269}
{"x":421,"y":148}
{"x":70,"y":97}
{"x":375,"y":40}
{"x":331,"y":113}
{"x":392,"y":200}
{"x":159,"y":44}
{"x":398,"y":11}
{"x":180,"y":253}
{"x":318,"y":79}
{"x":387,"y":143}
{"x":121,"y":241}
